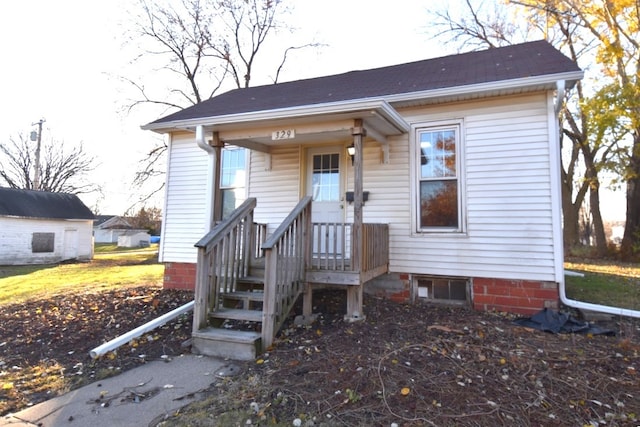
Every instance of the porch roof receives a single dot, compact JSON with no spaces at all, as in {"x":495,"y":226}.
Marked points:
{"x":512,"y":69}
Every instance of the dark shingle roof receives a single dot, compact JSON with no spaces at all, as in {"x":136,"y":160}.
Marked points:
{"x":100,"y":219}
{"x":42,"y":204}
{"x":530,"y":59}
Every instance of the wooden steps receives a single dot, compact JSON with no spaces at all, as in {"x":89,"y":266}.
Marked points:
{"x":237,"y":314}
{"x":227,"y":343}
{"x":234,"y":328}
{"x":250,"y":284}
{"x":244,"y":299}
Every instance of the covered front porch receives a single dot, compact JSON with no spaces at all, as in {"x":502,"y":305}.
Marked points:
{"x":243,"y":278}
{"x":252,"y":270}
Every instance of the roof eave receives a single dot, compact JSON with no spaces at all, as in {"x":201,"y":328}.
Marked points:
{"x":376,"y":105}
{"x":521,"y":83}
{"x":380,"y":105}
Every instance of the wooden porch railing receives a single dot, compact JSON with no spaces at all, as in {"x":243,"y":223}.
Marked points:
{"x":292,"y":254}
{"x":224,"y":255}
{"x":332,"y":247}
{"x":375,"y":247}
{"x":287,"y":254}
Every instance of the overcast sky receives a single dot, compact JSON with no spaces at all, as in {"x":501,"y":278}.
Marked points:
{"x":62,"y":59}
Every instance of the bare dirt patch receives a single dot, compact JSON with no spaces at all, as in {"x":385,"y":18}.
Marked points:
{"x":406,"y":364}
{"x":45,"y":344}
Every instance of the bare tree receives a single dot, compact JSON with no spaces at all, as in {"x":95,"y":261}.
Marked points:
{"x":147,"y":218}
{"x":586,"y":152}
{"x":62,"y":169}
{"x":202,"y":47}
{"x":479,"y":26}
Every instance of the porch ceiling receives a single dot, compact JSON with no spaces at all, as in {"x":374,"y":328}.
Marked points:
{"x":317,"y":124}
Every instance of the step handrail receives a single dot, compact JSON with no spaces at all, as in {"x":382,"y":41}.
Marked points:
{"x":303,"y":204}
{"x":221,"y":229}
{"x":224,"y":254}
{"x":287,"y":256}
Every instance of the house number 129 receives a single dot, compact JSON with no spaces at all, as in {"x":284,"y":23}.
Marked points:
{"x":283,"y":134}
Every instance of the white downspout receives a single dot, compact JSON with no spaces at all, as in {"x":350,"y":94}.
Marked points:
{"x":560,"y":85}
{"x":211,"y":162}
{"x":201,"y":141}
{"x":149,"y":326}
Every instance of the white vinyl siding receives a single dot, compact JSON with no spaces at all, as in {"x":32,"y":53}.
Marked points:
{"x":277,"y":189}
{"x":507,"y":196}
{"x":185,"y":210}
{"x":509,"y":199}
{"x":387,"y":184}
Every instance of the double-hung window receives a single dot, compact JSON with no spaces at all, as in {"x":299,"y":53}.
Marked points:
{"x":438,"y":179}
{"x":232,"y":179}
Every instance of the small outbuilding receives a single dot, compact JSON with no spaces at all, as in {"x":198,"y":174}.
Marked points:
{"x":39,"y":227}
{"x":108,"y":228}
{"x":134,"y":239}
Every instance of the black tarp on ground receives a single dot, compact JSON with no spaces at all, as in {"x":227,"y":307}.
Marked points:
{"x":560,"y":323}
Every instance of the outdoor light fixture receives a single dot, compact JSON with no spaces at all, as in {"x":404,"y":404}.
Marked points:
{"x":351,"y":151}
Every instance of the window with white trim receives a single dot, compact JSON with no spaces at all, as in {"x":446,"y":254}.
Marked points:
{"x":438,"y":179}
{"x":232,"y":179}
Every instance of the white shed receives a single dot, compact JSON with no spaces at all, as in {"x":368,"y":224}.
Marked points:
{"x":134,"y":239}
{"x":38,"y":227}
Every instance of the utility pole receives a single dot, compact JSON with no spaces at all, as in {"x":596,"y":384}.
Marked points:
{"x":36,"y":177}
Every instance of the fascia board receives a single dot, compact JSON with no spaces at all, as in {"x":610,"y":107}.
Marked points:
{"x":549,"y":79}
{"x":367,"y":104}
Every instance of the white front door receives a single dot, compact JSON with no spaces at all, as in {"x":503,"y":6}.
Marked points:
{"x":325,"y":186}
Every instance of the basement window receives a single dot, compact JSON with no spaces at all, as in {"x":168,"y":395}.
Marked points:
{"x":443,"y":290}
{"x":42,"y":242}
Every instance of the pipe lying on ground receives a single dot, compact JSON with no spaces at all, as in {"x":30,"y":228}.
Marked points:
{"x":149,"y":326}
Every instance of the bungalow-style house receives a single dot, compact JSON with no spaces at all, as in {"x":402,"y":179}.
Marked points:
{"x":38,"y":227}
{"x":437,"y":179}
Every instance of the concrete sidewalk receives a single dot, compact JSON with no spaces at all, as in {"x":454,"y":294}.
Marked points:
{"x":138,"y":397}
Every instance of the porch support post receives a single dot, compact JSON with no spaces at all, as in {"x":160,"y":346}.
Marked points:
{"x":214,"y":150}
{"x":354,"y":293}
{"x":216,"y":201}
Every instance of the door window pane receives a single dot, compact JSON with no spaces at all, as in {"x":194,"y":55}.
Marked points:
{"x":325,"y":177}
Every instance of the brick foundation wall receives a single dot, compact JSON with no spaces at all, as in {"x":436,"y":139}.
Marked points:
{"x":514,"y":296}
{"x":396,"y":287}
{"x":180,"y":275}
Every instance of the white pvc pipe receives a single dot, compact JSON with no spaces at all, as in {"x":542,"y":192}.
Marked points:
{"x":593,"y":307}
{"x":149,"y":326}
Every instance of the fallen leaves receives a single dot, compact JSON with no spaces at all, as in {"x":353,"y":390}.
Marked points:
{"x":50,"y":339}
{"x":471,"y":368}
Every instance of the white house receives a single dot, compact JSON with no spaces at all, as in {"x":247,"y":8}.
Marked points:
{"x":38,"y":227}
{"x":453,"y":160}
